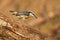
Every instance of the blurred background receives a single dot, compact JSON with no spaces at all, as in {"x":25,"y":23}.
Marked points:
{"x":47,"y":22}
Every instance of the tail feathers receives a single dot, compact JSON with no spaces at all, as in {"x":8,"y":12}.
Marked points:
{"x":12,"y":11}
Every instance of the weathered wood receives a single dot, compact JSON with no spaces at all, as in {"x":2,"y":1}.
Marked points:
{"x":37,"y":6}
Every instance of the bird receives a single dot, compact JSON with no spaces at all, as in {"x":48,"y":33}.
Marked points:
{"x":23,"y":14}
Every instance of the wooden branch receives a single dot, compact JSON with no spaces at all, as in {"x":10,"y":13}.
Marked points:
{"x":22,"y":27}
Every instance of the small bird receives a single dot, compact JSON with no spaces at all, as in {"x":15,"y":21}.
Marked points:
{"x":24,"y":14}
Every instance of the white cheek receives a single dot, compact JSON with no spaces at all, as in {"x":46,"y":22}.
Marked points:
{"x":31,"y":14}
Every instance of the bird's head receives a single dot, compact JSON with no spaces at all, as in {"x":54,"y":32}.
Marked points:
{"x":31,"y":14}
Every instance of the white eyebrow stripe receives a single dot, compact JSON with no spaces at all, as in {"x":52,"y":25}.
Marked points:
{"x":31,"y":14}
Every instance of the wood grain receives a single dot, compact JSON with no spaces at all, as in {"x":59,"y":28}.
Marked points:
{"x":37,"y":6}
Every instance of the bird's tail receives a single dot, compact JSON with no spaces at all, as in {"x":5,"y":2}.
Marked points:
{"x":13,"y":12}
